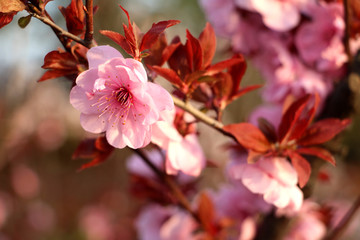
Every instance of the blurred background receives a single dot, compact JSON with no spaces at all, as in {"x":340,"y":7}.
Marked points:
{"x":42,"y":195}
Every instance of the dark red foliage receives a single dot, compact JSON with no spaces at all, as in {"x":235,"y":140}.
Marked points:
{"x":191,"y":72}
{"x":135,"y":43}
{"x":60,"y":63}
{"x":295,"y":136}
{"x":75,"y":17}
{"x":98,"y":150}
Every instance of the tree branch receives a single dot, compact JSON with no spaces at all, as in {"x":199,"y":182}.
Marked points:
{"x":200,"y":115}
{"x":60,"y":32}
{"x":89,"y":34}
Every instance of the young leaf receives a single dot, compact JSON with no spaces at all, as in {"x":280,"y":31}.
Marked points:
{"x":318,"y":152}
{"x":153,"y":34}
{"x":168,"y":74}
{"x":302,"y":167}
{"x":323,"y":131}
{"x":207,"y":41}
{"x":206,"y":213}
{"x":290,"y":117}
{"x":24,"y":21}
{"x":120,"y":40}
{"x":249,"y":136}
{"x":194,"y":52}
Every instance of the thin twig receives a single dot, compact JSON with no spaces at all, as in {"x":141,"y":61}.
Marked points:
{"x":61,"y":31}
{"x":183,"y":201}
{"x":200,"y":115}
{"x":340,"y":228}
{"x":89,"y":34}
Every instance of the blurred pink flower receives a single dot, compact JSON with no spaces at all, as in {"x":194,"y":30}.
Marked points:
{"x":115,"y":97}
{"x":25,"y":181}
{"x":136,"y":165}
{"x":273,"y":177}
{"x":279,"y":15}
{"x":97,"y":223}
{"x":307,"y":225}
{"x":156,"y":222}
{"x":183,"y":153}
{"x":320,"y":40}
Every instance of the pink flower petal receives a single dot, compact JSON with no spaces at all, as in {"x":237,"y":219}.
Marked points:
{"x":86,"y":80}
{"x":100,"y":54}
{"x":82,"y":100}
{"x":93,"y":123}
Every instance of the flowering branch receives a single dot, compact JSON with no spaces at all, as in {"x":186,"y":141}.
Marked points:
{"x":183,"y":202}
{"x":200,"y":115}
{"x":89,"y":24}
{"x":60,"y":32}
{"x":339,"y":229}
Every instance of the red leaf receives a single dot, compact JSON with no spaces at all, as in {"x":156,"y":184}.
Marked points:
{"x":248,"y":136}
{"x":208,"y":44}
{"x":168,"y":74}
{"x":96,"y":149}
{"x":318,"y":152}
{"x":51,"y":74}
{"x":194,"y":52}
{"x":60,"y":61}
{"x":75,"y":17}
{"x":237,"y":72}
{"x":120,"y":40}
{"x":153,"y":34}
{"x":218,"y":67}
{"x":130,"y":36}
{"x":6,"y":18}
{"x":170,"y":50}
{"x":206,"y":213}
{"x":245,"y":90}
{"x":302,"y":167}
{"x":290,"y":117}
{"x":323,"y":131}
{"x":156,"y":56}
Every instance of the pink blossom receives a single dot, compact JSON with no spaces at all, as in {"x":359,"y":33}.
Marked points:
{"x":319,"y":41}
{"x":137,"y":166}
{"x":307,"y":225}
{"x":156,"y":222}
{"x":115,"y":97}
{"x":279,"y":15}
{"x":273,"y":177}
{"x":183,"y":153}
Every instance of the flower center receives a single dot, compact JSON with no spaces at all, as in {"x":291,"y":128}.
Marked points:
{"x":124,"y":97}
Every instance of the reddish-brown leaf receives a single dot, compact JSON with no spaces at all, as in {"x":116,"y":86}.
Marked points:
{"x":290,"y":117}
{"x":60,"y":61}
{"x":156,"y":52}
{"x":206,"y":213}
{"x":170,"y":49}
{"x":323,"y":131}
{"x":318,"y":152}
{"x":168,"y":74}
{"x":302,"y":167}
{"x":51,"y":74}
{"x":130,"y":35}
{"x":6,"y":18}
{"x":179,"y":62}
{"x":120,"y":40}
{"x":249,"y":136}
{"x":75,"y":17}
{"x":245,"y":90}
{"x":207,"y":41}
{"x":304,"y":120}
{"x":218,"y":67}
{"x":237,"y":72}
{"x":267,"y":129}
{"x":96,"y":149}
{"x":153,"y":34}
{"x":194,"y":52}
